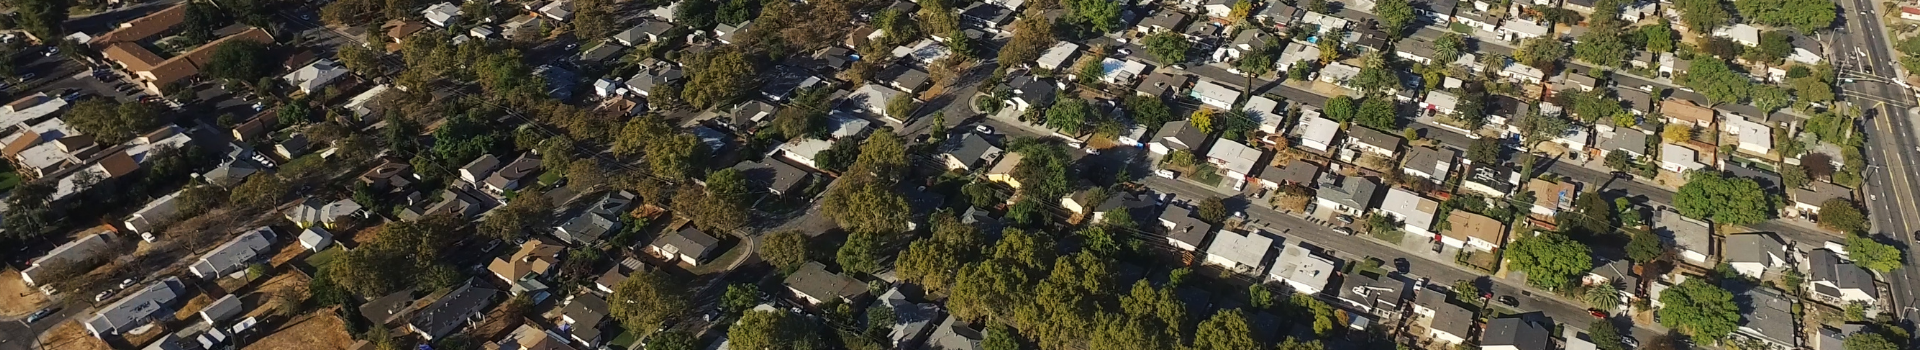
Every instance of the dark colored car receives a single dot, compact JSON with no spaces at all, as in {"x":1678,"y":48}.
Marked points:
{"x":43,"y":313}
{"x":1509,"y":300}
{"x":1402,"y":265}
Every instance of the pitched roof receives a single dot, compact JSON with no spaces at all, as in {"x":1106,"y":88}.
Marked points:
{"x":1827,"y":267}
{"x":138,"y":307}
{"x":235,"y":253}
{"x":1463,"y":225}
{"x":222,"y":309}
{"x":772,"y":174}
{"x":587,"y":312}
{"x":1296,"y":171}
{"x":1686,"y":110}
{"x":1189,"y":138}
{"x":451,"y":311}
{"x":1765,"y":312}
{"x":1818,"y":193}
{"x":1183,"y":226}
{"x":1351,"y":191}
{"x":1431,"y":160}
{"x":1752,"y":247}
{"x":536,"y":256}
{"x":1684,"y":233}
{"x":1298,"y":265}
{"x":1249,"y":248}
{"x":1515,"y":332}
{"x":1235,"y":156}
{"x":1417,"y":211}
{"x":689,"y":241}
{"x":972,"y":147}
{"x":813,"y":280}
{"x":519,"y":169}
{"x":1375,"y":138}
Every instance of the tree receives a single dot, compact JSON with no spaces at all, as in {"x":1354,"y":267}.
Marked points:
{"x":259,"y":191}
{"x":1774,"y":48}
{"x":1713,"y":78}
{"x":999,"y":337}
{"x":1226,"y":330}
{"x":1069,"y":116}
{"x":42,"y":18}
{"x":1378,"y":113}
{"x":938,"y":17}
{"x":929,"y":263}
{"x":1340,"y":108}
{"x":1868,"y":341}
{"x":1604,"y":335}
{"x":647,"y":300}
{"x":1619,"y":161}
{"x":773,"y":330}
{"x":1699,"y":309}
{"x":1394,"y":15}
{"x":1732,"y":201}
{"x":1213,"y":209}
{"x":1149,"y":111}
{"x":1202,"y":119}
{"x":718,"y":77}
{"x":523,"y":213}
{"x":672,"y":340}
{"x":1550,"y":260}
{"x":1603,"y":45}
{"x":1097,"y":16}
{"x":1375,"y":78}
{"x":1536,"y":127}
{"x":860,"y":254}
{"x":674,"y":157}
{"x":740,"y":297}
{"x":1769,"y":97}
{"x":1644,"y":247}
{"x":882,"y":155}
{"x":1592,"y":106}
{"x":1840,"y":214}
{"x":112,"y":122}
{"x":1658,"y":37}
{"x":861,"y":203}
{"x":1484,"y":151}
{"x":1703,"y":13}
{"x":1449,"y":46}
{"x":239,"y":61}
{"x":1872,"y":254}
{"x":1031,"y":36}
{"x":1604,"y":296}
{"x":1805,"y":15}
{"x":901,"y":106}
{"x":1540,"y":52}
{"x":1168,"y":46}
{"x":1793,"y":176}
{"x":785,"y":250}
{"x":1677,"y":133}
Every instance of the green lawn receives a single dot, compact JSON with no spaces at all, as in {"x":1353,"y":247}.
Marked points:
{"x":324,"y":257}
{"x":625,"y":340}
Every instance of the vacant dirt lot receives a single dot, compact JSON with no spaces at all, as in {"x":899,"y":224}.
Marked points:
{"x":320,"y":330}
{"x":70,"y":335}
{"x":265,"y":299}
{"x":16,"y":298}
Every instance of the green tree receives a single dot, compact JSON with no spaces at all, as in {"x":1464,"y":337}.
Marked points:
{"x":675,"y":157}
{"x":863,"y":204}
{"x":647,"y":300}
{"x":1703,"y":14}
{"x":1873,"y":254}
{"x":861,"y":254}
{"x":740,"y":297}
{"x":1658,"y":37}
{"x":1378,"y":113}
{"x":1868,"y":341}
{"x":938,"y":17}
{"x":1644,"y":247}
{"x":1449,"y":46}
{"x":672,"y":340}
{"x":1031,"y":36}
{"x":1097,"y":16}
{"x":1604,"y":44}
{"x":1805,"y":15}
{"x":1168,"y":46}
{"x":1604,"y":296}
{"x":1768,"y":97}
{"x":43,"y":18}
{"x":1713,"y":78}
{"x":1550,"y":260}
{"x":882,"y":155}
{"x":111,"y":122}
{"x":1732,"y":201}
{"x":999,"y":337}
{"x":785,"y":250}
{"x":1070,"y":116}
{"x":1842,"y":215}
{"x":239,"y":61}
{"x":1540,"y":52}
{"x":1226,"y":330}
{"x":773,"y":330}
{"x":1484,"y":151}
{"x":1619,"y":161}
{"x":1213,"y":209}
{"x":1149,"y":111}
{"x":1341,"y":108}
{"x":718,"y":77}
{"x":1394,"y":15}
{"x":1699,"y":309}
{"x":1604,"y":335}
{"x":259,"y":191}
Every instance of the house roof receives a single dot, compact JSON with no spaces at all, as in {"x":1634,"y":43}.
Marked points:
{"x":529,"y":337}
{"x":1515,"y":332}
{"x":813,"y":280}
{"x":1212,"y":90}
{"x":598,"y":219}
{"x":1183,"y":226}
{"x":482,"y":166}
{"x":1056,"y":57}
{"x":536,"y":256}
{"x":1417,"y":211}
{"x":1376,"y":138}
{"x":1321,"y":130}
{"x":954,"y":334}
{"x":1249,"y":248}
{"x":451,"y":311}
{"x":1164,"y":19}
{"x":910,"y":319}
{"x":1350,"y":191}
{"x":1683,"y":232}
{"x":86,"y":247}
{"x":145,"y":27}
{"x":1447,"y":317}
{"x":1753,"y":247}
{"x":1680,"y":155}
{"x":1372,"y":291}
{"x":222,"y":309}
{"x":236,"y":252}
{"x":1686,"y":110}
{"x":1626,"y":139}
{"x":1826,"y":266}
{"x":519,"y":169}
{"x":311,"y":211}
{"x":1463,"y":225}
{"x":1298,"y":265}
{"x":315,"y":236}
{"x":1549,"y":194}
{"x":1496,"y":177}
{"x":1431,"y":160}
{"x":689,"y":241}
{"x":1636,"y":100}
{"x":619,"y":273}
{"x":587,"y":312}
{"x":1163,"y":83}
{"x":903,"y":76}
{"x":1236,"y":156}
{"x":1832,"y":338}
{"x":972,"y":148}
{"x":1765,"y":312}
{"x":1187,"y":137}
{"x":772,"y":174}
{"x":1817,"y":193}
{"x":1296,"y":171}
{"x":138,"y":307}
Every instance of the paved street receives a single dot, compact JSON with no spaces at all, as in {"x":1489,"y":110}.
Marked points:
{"x":1891,"y":182}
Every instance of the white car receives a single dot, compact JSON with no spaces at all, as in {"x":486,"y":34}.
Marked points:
{"x":126,"y":283}
{"x":983,"y":129}
{"x":103,"y":296}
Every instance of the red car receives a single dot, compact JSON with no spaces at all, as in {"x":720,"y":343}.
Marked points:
{"x":1597,"y":313}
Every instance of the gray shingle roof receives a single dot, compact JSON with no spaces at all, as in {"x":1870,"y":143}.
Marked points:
{"x":1186,"y":228}
{"x":451,"y":311}
{"x":1767,"y":314}
{"x":1351,"y":191}
{"x":1753,"y":247}
{"x":688,"y":241}
{"x":1515,"y":332}
{"x":814,"y":280}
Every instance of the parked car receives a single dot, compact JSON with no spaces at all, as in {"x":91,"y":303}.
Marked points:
{"x":126,"y":283}
{"x":103,"y":295}
{"x":1509,"y":301}
{"x":43,"y":313}
{"x":1597,"y":313}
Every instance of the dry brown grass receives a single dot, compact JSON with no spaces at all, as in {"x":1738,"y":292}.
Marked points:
{"x":16,"y":298}
{"x":320,"y":330}
{"x":286,"y":254}
{"x":192,"y":308}
{"x":70,"y":335}
{"x":267,"y":300}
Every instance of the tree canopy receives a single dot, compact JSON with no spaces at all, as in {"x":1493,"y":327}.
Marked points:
{"x":1550,"y":260}
{"x":1394,"y":15}
{"x":645,"y":301}
{"x":1872,"y":254}
{"x":112,"y":122}
{"x":1805,"y":15}
{"x":1713,"y":78}
{"x":239,"y":60}
{"x":1168,"y":46}
{"x":1733,"y":201}
{"x":773,"y":330}
{"x":1840,"y":214}
{"x":1703,"y":15}
{"x":1700,"y":309}
{"x":785,"y":250}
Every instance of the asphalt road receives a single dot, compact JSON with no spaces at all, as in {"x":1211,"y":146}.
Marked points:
{"x":1891,"y":182}
{"x":19,"y":335}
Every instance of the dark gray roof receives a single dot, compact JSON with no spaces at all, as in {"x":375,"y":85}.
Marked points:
{"x":1165,"y":18}
{"x":594,"y":223}
{"x":602,"y":52}
{"x":388,"y":308}
{"x":1281,"y":12}
{"x":1416,"y":47}
{"x":1424,"y":157}
{"x":1448,"y":317}
{"x":1297,"y":171}
{"x":587,"y":312}
{"x":451,"y":311}
{"x":1515,"y":332}
{"x":903,"y":76}
{"x":1033,"y":89}
{"x":1636,"y":100}
{"x":1494,"y":177}
{"x":1620,"y":271}
{"x":1819,"y":192}
{"x":688,"y":241}
{"x":1767,"y":179}
{"x":1163,"y":83}
{"x":746,"y":113}
{"x":1185,"y":227}
{"x":1374,"y":291}
{"x":986,"y":15}
{"x":814,"y":280}
{"x":1827,"y":267}
{"x":1831,"y":338}
{"x":1753,"y":247}
{"x":1441,"y":7}
{"x":1190,"y":137}
{"x":1767,"y":313}
{"x":973,"y":148}
{"x":1351,"y":191}
{"x":773,"y":174}
{"x":1375,"y":138}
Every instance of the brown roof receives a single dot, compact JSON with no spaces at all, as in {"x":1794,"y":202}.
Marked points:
{"x":187,"y":65}
{"x":1685,"y":110}
{"x":405,"y":29}
{"x":29,"y":101}
{"x":535,"y":257}
{"x":131,"y":55}
{"x":1547,"y":193}
{"x":297,"y":60}
{"x":27,"y":139}
{"x":1463,"y":225}
{"x":144,"y":27}
{"x":255,"y":128}
{"x":118,"y":163}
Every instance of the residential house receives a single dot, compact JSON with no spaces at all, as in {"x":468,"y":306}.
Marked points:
{"x":1475,"y":231}
{"x":1184,"y":230}
{"x":153,"y":302}
{"x":1752,"y":254}
{"x":1296,"y":173}
{"x":315,"y":76}
{"x":1754,"y":137}
{"x":394,"y":174}
{"x":1414,"y":212}
{"x":476,"y":171}
{"x":1549,"y":198}
{"x":1324,"y":23}
{"x":1056,"y":58}
{"x":985,"y":16}
{"x":1214,"y":94}
{"x":1163,"y":20}
{"x":646,"y":32}
{"x":1520,"y":73}
{"x":1374,"y":294}
{"x":467,"y":304}
{"x":442,"y":14}
{"x":1693,"y":239}
{"x":1178,"y":135}
{"x":1373,"y":141}
{"x":1581,"y":81}
{"x":776,"y":177}
{"x":1809,"y":198}
{"x":912,"y":322}
{"x":619,"y":273}
{"x":658,"y":74}
{"x":1240,"y":252}
{"x":1430,"y":163}
{"x":873,"y":99}
{"x":1278,"y":13}
{"x":586,"y":320}
{"x":1478,"y":20}
{"x":1337,"y":73}
{"x":310,"y":212}
{"x":294,"y":146}
{"x":1316,"y":133}
{"x":1348,"y":194}
{"x":1834,"y":338}
{"x":1294,"y":53}
{"x":689,"y":245}
{"x":954,"y":334}
{"x":1629,"y":140}
{"x":1491,"y":180}
{"x":904,"y":77}
{"x":1683,"y":111}
{"x":222,"y":309}
{"x":155,"y":214}
{"x":512,"y":176}
{"x":970,"y":152}
{"x":1638,"y":102}
{"x":1445,"y":321}
{"x":1830,"y":277}
{"x":1235,"y":158}
{"x":1766,"y":315}
{"x":1741,"y":33}
{"x":597,"y":221}
{"x":1618,"y":273}
{"x":1440,"y":102}
{"x":599,"y":54}
{"x":1679,"y":159}
{"x":315,"y":238}
{"x":558,"y":10}
{"x":815,"y":285}
{"x":1301,"y":270}
{"x":803,"y":150}
{"x":725,"y":33}
{"x":1164,"y":84}
{"x":77,"y":252}
{"x":234,"y":255}
{"x":536,"y":259}
{"x":784,"y":81}
{"x":1516,"y":30}
{"x":528,"y":337}
{"x":31,"y":107}
{"x":1514,"y":333}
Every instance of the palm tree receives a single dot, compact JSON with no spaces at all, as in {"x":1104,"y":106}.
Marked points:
{"x":1604,"y":296}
